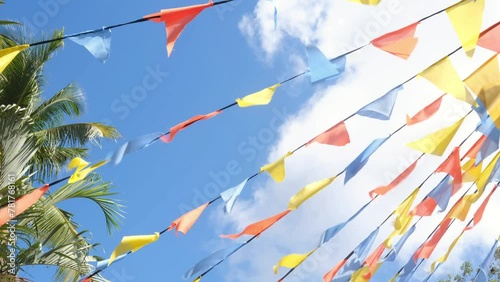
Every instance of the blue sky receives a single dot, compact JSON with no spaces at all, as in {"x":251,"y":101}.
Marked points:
{"x":220,"y":56}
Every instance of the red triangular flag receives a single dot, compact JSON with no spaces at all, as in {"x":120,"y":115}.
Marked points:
{"x":400,"y":42}
{"x":372,"y":260}
{"x":183,"y":125}
{"x":479,"y":213}
{"x":336,"y":135}
{"x":258,"y":227}
{"x":329,"y":276}
{"x":21,"y":204}
{"x":428,"y":247}
{"x":425,"y":208}
{"x":382,"y":190}
{"x":426,"y":112}
{"x":474,"y":150}
{"x":176,"y":19}
{"x":452,"y":166}
{"x":490,"y":38}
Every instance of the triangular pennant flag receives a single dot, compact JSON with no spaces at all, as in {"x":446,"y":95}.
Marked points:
{"x":485,"y":266}
{"x":211,"y":261}
{"x":372,"y":261}
{"x":451,"y":165}
{"x":330,"y":274}
{"x":364,"y":274}
{"x":277,"y":169}
{"x":442,"y":193}
{"x":474,"y":150}
{"x":132,"y":146}
{"x":332,"y":231}
{"x":186,"y":221}
{"x":103,"y":264}
{"x":336,"y":135}
{"x":320,"y":68}
{"x":403,"y":217}
{"x":488,"y":147}
{"x":258,"y":227}
{"x":97,"y":43}
{"x":425,"y":208}
{"x":487,"y":127}
{"x":291,"y":261}
{"x":444,"y":76}
{"x":176,"y":20}
{"x":425,"y":113}
{"x":230,"y":195}
{"x":132,"y":244}
{"x":490,"y":38}
{"x":485,"y":82}
{"x":399,"y":245}
{"x":461,"y":208}
{"x":382,"y":107}
{"x":467,"y":31}
{"x":357,"y":164}
{"x":480,"y":211}
{"x":8,"y":54}
{"x":400,"y":43}
{"x":81,"y":172}
{"x":307,"y":192}
{"x":486,"y":175}
{"x":382,"y":190}
{"x":22,"y":204}
{"x":408,"y":270}
{"x":428,"y":247}
{"x":437,"y":142}
{"x":262,"y":97}
{"x":183,"y":125}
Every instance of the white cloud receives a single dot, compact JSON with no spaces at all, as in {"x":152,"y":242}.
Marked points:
{"x":336,"y":26}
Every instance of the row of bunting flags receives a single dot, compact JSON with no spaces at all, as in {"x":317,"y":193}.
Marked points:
{"x":358,"y":265}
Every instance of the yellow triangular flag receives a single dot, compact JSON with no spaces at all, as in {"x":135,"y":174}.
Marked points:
{"x":485,"y":176}
{"x":467,"y":30}
{"x":307,"y":192}
{"x":132,"y":243}
{"x":403,"y":219}
{"x":471,"y":173}
{"x":263,"y":97}
{"x":437,"y":142}
{"x":8,"y":54}
{"x":197,"y":279}
{"x":363,"y":274}
{"x":485,"y":83}
{"x":80,"y":173}
{"x":445,"y":257}
{"x":291,"y":261}
{"x":461,"y":208}
{"x":444,"y":76}
{"x":276,"y":169}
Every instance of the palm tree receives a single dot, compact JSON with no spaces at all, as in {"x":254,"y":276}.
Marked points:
{"x":36,"y":143}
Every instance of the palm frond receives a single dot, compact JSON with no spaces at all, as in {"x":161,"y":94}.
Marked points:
{"x":76,"y":134}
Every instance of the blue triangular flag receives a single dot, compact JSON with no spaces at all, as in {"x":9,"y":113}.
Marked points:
{"x":230,"y":195}
{"x":409,"y":269}
{"x":442,"y":193}
{"x":97,"y":43}
{"x":355,"y":166}
{"x":484,"y":267}
{"x":320,"y":68}
{"x":134,"y":145}
{"x":332,"y":231}
{"x":399,"y":245}
{"x":212,"y":260}
{"x":382,"y":107}
{"x":488,"y":128}
{"x":489,"y":147}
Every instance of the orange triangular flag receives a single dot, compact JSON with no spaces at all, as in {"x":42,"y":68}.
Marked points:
{"x":382,"y":190}
{"x":490,"y":38}
{"x":183,"y":125}
{"x":328,"y":277}
{"x":258,"y":227}
{"x":426,"y":112}
{"x":186,"y":221}
{"x":479,"y":213}
{"x":474,"y":150}
{"x":21,"y":204}
{"x":336,"y":135}
{"x":452,"y":166}
{"x":428,"y":247}
{"x":176,"y":20}
{"x":372,"y":260}
{"x":400,"y":42}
